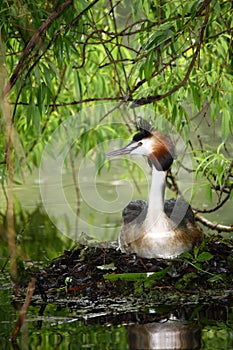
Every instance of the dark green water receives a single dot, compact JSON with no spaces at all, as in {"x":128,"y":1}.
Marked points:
{"x":67,"y":326}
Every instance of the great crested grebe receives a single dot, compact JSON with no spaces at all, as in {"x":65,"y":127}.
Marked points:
{"x":156,"y":229}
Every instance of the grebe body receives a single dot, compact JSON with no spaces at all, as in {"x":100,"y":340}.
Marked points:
{"x":157,"y":228}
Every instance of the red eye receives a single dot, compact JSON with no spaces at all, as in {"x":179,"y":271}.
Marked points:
{"x":139,"y":143}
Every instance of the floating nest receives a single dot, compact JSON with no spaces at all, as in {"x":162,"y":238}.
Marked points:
{"x":101,"y":271}
{"x":99,"y":284}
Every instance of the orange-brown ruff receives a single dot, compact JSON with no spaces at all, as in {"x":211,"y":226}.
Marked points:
{"x":148,"y":229}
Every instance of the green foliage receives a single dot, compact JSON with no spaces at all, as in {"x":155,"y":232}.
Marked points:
{"x":197,"y":257}
{"x":62,"y":57}
{"x":215,"y":167}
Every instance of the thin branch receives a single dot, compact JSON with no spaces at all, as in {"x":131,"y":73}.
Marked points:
{"x":119,"y":49}
{"x":61,"y":30}
{"x":218,"y":206}
{"x":213,"y":226}
{"x":52,"y":106}
{"x":226,"y":178}
{"x":32,"y":42}
{"x":77,"y":102}
{"x":173,"y":185}
{"x":150,"y":99}
{"x":23,"y":311}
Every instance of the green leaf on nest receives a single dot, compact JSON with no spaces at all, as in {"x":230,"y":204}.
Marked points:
{"x":137,"y":276}
{"x":204,"y":256}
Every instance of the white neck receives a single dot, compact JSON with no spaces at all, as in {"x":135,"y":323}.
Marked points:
{"x":156,"y":197}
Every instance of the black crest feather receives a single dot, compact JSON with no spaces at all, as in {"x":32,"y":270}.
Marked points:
{"x":144,"y":128}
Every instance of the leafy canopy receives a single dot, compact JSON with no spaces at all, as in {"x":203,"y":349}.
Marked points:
{"x":60,"y":57}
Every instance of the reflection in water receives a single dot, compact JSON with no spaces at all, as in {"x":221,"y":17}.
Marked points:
{"x":166,"y":334}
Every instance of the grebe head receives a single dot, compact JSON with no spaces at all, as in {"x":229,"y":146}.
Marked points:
{"x":151,"y":143}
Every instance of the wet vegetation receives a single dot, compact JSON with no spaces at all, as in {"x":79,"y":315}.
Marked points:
{"x":92,"y":274}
